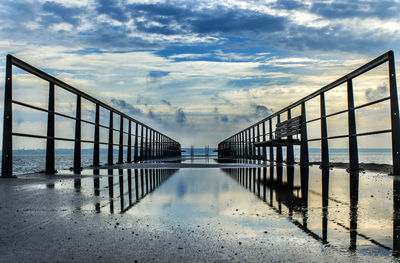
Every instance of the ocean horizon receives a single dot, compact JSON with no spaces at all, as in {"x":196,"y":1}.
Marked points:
{"x":30,"y":161}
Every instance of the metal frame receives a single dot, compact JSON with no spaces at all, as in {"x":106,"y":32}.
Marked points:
{"x":225,"y":150}
{"x":155,"y":147}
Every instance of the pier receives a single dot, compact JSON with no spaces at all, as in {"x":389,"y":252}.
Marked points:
{"x":259,"y":199}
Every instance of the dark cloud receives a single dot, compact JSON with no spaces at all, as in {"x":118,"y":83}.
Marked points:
{"x":180,"y":116}
{"x":231,"y":27}
{"x":166,"y":102}
{"x":348,"y":9}
{"x":57,"y":13}
{"x":260,"y":111}
{"x":125,"y":107}
{"x":112,"y":8}
{"x":155,"y":75}
{"x":376,"y":93}
{"x":224,"y":118}
{"x":223,"y":20}
{"x":153,"y":116}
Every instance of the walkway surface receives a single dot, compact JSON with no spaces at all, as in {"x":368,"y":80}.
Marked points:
{"x":172,"y":211}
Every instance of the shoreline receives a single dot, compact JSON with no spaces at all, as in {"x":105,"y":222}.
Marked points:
{"x":372,"y":167}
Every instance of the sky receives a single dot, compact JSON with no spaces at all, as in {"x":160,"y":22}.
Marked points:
{"x":198,"y":71}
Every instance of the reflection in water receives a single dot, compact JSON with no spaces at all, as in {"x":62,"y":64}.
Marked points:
{"x":128,"y":189}
{"x":294,"y":192}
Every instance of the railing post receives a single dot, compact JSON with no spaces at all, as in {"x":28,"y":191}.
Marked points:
{"x":152,"y":143}
{"x":258,"y":140}
{"x":253,"y":146}
{"x":289,"y":149}
{"x":96,"y":146}
{"x":7,"y":153}
{"x":121,"y":141}
{"x":304,"y":141}
{"x":50,"y":151}
{"x":110,"y":140}
{"x":279,"y":157}
{"x":77,"y":148}
{"x":141,"y":142}
{"x":129,"y":153}
{"x":264,"y":147}
{"x":394,"y":112}
{"x":136,"y":142}
{"x":157,"y":144}
{"x":324,"y":134}
{"x":146,"y":154}
{"x":243,"y":144}
{"x":271,"y":148}
{"x":353,"y":148}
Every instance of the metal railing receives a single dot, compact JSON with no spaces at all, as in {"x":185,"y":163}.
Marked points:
{"x":150,"y":143}
{"x":243,"y":143}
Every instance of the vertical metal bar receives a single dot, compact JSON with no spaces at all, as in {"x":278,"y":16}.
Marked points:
{"x":304,"y":143}
{"x":152,"y":143}
{"x":354,"y":188}
{"x":394,"y":113}
{"x":353,"y":148}
{"x":50,"y":151}
{"x":325,"y":202}
{"x":253,"y":148}
{"x":147,"y":144}
{"x":324,"y":133}
{"x":258,"y":140}
{"x":77,"y":148}
{"x":289,"y":149}
{"x":129,"y":154}
{"x":279,"y":156}
{"x":157,"y":144}
{"x":243,"y":145}
{"x":141,"y":142}
{"x":96,"y":146}
{"x":271,"y":148}
{"x":7,"y":154}
{"x":246,"y":144}
{"x":263,"y":136}
{"x":121,"y":141}
{"x":396,"y":217}
{"x":110,"y":139}
{"x":136,"y":142}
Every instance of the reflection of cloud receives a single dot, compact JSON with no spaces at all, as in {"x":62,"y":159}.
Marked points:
{"x":181,"y":189}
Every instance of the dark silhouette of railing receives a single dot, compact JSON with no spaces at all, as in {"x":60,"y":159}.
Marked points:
{"x":243,"y":144}
{"x":150,"y":143}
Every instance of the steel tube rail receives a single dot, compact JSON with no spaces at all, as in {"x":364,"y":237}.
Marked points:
{"x":147,"y":147}
{"x":224,"y":146}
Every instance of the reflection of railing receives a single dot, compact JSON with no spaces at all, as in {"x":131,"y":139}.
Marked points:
{"x":242,"y":144}
{"x":295,"y":199}
{"x":133,"y":186}
{"x":150,"y":143}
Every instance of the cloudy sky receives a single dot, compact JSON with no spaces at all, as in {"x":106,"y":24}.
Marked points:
{"x":197,"y":70}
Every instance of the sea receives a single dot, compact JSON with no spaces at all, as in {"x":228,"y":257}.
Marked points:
{"x":31,"y":161}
